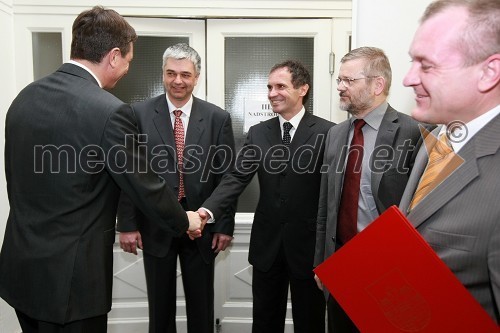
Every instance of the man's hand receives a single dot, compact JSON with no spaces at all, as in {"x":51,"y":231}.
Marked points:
{"x":318,"y":282}
{"x":130,"y":241}
{"x":195,"y":225}
{"x":204,"y":216}
{"x":220,"y":242}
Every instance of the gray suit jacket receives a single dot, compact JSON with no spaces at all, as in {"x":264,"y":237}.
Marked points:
{"x":460,"y":218}
{"x":398,"y":131}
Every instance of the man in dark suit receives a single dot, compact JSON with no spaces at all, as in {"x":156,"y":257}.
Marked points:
{"x":287,"y":161}
{"x":208,"y":152}
{"x":455,"y":75}
{"x":385,"y":160}
{"x":70,"y":147}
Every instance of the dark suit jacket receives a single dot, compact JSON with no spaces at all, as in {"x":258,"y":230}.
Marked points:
{"x":401,"y":135}
{"x":289,"y":191}
{"x":209,"y":151}
{"x":66,"y":158}
{"x":460,"y":218}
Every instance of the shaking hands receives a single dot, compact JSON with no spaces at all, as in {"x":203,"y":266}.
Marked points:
{"x":131,"y":241}
{"x":197,"y":221}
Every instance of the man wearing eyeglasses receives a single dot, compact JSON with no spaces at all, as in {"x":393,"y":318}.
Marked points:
{"x":369,"y":158}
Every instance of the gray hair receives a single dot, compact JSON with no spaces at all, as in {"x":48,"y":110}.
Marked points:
{"x":377,"y":63}
{"x":183,"y":51}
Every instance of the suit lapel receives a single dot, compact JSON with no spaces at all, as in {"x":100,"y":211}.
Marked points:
{"x":485,"y":142}
{"x":340,"y":149}
{"x":273,"y":133}
{"x":196,"y":125}
{"x":385,"y":137}
{"x":303,"y":132}
{"x":195,"y":129}
{"x":416,"y":173}
{"x":163,"y":124}
{"x":449,"y":188}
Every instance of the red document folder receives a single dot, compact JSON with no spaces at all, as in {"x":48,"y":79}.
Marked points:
{"x":388,"y":279}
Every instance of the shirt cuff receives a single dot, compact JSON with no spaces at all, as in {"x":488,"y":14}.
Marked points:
{"x":211,"y":219}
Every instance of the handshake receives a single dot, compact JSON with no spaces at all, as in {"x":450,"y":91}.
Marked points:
{"x":131,"y":241}
{"x":197,"y":221}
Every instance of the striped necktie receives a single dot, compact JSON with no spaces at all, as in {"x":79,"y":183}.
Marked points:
{"x":436,"y":171}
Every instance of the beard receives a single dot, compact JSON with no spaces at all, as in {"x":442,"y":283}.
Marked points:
{"x":357,"y":104}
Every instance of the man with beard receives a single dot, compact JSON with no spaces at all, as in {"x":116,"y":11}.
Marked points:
{"x":369,"y":158}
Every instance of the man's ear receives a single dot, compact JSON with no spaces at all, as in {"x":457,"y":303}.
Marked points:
{"x":379,"y":85}
{"x":304,"y":89}
{"x":490,"y":73}
{"x":113,"y":56}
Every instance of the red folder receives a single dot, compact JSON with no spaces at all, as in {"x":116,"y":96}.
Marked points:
{"x":388,"y":279}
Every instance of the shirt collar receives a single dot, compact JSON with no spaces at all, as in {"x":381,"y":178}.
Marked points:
{"x":186,"y":108}
{"x":295,"y":119}
{"x":374,"y":117}
{"x":76,"y":63}
{"x":471,"y":128}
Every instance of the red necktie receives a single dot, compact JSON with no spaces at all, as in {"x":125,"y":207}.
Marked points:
{"x":179,"y":147}
{"x":347,"y":222}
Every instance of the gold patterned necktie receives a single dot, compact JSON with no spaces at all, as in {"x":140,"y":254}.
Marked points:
{"x":179,"y":147}
{"x":438,"y":167}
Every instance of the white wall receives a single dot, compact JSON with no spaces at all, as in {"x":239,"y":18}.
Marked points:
{"x":8,"y":320}
{"x":390,"y":25}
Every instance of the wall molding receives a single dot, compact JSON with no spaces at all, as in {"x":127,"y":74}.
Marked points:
{"x":6,"y":7}
{"x":196,"y":8}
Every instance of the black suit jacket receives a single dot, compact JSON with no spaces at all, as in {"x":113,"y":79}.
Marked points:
{"x":289,"y":191}
{"x":208,"y":154}
{"x":66,"y":158}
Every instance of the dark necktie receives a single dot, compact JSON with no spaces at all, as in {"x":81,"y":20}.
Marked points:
{"x":179,"y":147}
{"x":286,"y":133}
{"x":347,"y":222}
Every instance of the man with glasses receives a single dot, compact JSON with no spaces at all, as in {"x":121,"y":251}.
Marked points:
{"x":369,"y":158}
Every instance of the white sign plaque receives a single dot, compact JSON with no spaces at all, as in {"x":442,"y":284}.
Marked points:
{"x":256,"y":111}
